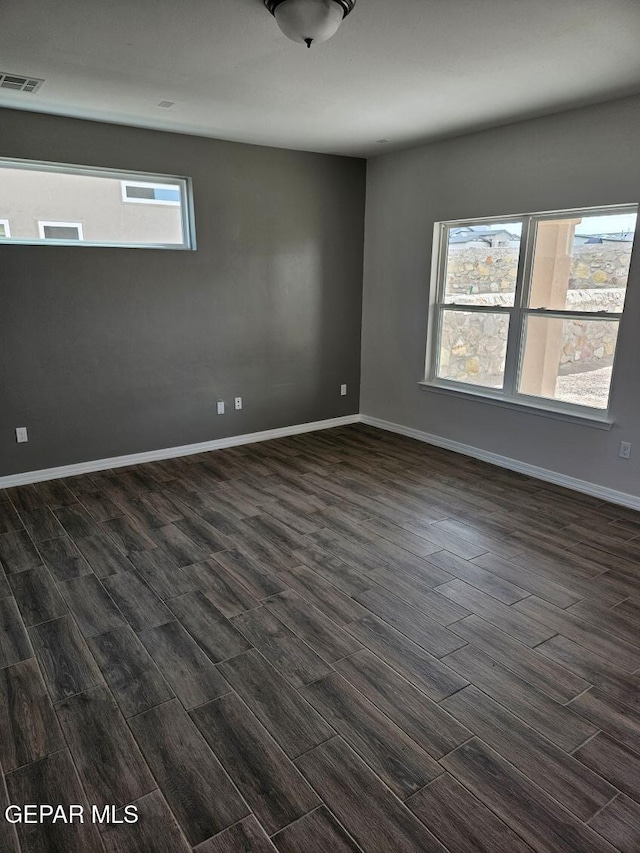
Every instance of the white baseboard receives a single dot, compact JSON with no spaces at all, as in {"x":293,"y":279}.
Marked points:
{"x":584,"y":486}
{"x":170,"y":452}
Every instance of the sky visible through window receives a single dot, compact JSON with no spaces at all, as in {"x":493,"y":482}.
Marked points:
{"x":609,"y":224}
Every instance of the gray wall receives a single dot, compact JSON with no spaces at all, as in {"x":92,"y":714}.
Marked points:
{"x":575,"y":159}
{"x":114,"y":351}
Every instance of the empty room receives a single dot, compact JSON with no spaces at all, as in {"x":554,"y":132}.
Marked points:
{"x":319,"y":426}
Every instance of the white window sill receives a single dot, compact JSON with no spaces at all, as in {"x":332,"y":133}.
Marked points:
{"x":591,"y":417}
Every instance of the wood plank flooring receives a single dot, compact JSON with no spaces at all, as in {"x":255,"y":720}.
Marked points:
{"x":342,"y":641}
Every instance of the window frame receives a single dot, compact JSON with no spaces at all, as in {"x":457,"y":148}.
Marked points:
{"x":154,"y":185}
{"x":46,"y":223}
{"x":7,"y":229}
{"x":186,"y":206}
{"x":509,"y":395}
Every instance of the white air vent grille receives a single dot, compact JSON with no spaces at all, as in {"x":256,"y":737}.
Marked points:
{"x":18,"y":83}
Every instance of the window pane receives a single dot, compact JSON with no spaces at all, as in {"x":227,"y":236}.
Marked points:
{"x":482,"y":264}
{"x":582,"y":263}
{"x":473,"y":347}
{"x":61,"y":232}
{"x":3,"y":230}
{"x":94,"y":199}
{"x":569,"y":359}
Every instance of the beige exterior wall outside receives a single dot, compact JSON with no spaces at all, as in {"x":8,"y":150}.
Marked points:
{"x":30,"y":196}
{"x":549,"y":286}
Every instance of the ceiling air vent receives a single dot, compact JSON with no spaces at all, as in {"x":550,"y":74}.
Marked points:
{"x":19,"y":83}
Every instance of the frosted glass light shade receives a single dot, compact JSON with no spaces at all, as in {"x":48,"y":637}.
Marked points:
{"x":309,"y":21}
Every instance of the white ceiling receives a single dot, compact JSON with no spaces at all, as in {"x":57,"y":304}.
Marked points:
{"x":401,"y":70}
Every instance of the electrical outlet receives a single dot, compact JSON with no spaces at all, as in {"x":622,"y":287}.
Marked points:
{"x":220,"y":407}
{"x":238,"y":402}
{"x":343,"y":390}
{"x":625,"y":450}
{"x":21,"y":435}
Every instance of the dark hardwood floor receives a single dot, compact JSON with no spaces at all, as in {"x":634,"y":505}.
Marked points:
{"x":342,"y":641}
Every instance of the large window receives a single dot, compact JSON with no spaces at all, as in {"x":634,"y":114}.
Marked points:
{"x":73,"y":205}
{"x":526,"y":308}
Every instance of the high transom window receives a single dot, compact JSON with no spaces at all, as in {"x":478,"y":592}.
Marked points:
{"x":59,"y":204}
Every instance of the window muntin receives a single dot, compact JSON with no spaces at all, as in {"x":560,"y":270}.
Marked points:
{"x":95,"y":199}
{"x":61,"y":231}
{"x":555,"y":344}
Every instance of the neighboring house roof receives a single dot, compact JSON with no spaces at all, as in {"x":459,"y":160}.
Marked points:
{"x":488,"y":236}
{"x":618,"y":238}
{"x":479,"y":234}
{"x":624,"y":237}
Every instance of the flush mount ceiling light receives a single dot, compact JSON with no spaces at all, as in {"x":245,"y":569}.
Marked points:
{"x":309,"y":21}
